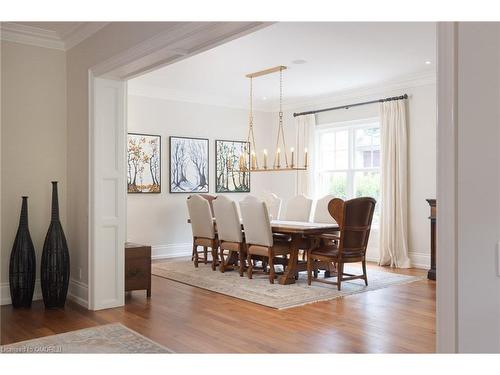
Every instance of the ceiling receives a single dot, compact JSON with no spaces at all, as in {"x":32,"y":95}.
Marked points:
{"x":323,"y":58}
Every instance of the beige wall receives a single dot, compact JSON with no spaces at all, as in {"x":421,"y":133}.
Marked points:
{"x":111,"y":40}
{"x":33,"y":142}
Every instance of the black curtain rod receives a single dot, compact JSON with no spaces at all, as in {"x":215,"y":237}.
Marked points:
{"x":405,"y":96}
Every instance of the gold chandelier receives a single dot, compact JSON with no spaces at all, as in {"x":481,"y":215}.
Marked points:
{"x":249,"y":161}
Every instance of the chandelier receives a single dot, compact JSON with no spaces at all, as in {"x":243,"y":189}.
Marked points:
{"x":249,"y":160}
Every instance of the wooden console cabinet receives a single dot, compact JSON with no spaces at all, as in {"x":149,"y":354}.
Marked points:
{"x":138,"y":268}
{"x":431,"y":275}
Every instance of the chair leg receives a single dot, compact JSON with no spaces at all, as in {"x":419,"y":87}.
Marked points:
{"x":205,"y":252}
{"x":250,"y":266}
{"x":222,"y":266}
{"x":363,"y":263}
{"x":271,"y":267}
{"x":241,"y":259}
{"x":214,"y":257}
{"x":340,"y":272}
{"x":309,"y":269}
{"x":195,"y":254}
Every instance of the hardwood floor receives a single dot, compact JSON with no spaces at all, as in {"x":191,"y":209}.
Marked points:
{"x":191,"y":320}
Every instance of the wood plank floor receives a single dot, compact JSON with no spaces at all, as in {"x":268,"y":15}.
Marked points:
{"x":191,"y":320}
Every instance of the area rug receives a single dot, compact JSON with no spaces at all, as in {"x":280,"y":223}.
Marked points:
{"x":259,"y":290}
{"x":109,"y":338}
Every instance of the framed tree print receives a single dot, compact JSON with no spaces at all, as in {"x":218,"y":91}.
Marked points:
{"x":229,"y":177}
{"x":143,"y":163}
{"x":188,"y":165}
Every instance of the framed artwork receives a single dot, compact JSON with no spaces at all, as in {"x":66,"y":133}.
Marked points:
{"x":229,"y":178}
{"x":143,"y":163}
{"x":188,"y":165}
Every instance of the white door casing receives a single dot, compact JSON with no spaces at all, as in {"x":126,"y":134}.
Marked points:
{"x":107,"y":222}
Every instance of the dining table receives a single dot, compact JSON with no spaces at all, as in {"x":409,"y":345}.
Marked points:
{"x":300,"y":233}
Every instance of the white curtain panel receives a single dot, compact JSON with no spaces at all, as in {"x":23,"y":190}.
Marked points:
{"x":305,"y":131}
{"x":394,"y":189}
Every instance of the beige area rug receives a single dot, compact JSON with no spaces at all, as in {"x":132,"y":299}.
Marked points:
{"x":109,"y":338}
{"x":259,"y":290}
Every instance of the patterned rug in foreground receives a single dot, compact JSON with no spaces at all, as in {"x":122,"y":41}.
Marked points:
{"x":259,"y":290}
{"x":109,"y":338}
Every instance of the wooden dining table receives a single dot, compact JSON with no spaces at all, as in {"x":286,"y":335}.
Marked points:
{"x":299,"y":232}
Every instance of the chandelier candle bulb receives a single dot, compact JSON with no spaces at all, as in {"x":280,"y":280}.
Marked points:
{"x":254,"y":160}
{"x":278,"y":153}
{"x":292,"y":152}
{"x":265,"y":159}
{"x":305,"y":157}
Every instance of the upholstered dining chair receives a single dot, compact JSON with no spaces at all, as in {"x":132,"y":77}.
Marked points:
{"x":298,"y":208}
{"x":354,"y":218}
{"x":202,"y":225}
{"x":321,"y":213}
{"x":273,"y":203}
{"x":259,"y":236}
{"x":229,"y":232}
{"x":210,"y":198}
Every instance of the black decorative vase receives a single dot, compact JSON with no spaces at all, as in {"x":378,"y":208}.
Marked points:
{"x":55,"y":260}
{"x":22,"y":266}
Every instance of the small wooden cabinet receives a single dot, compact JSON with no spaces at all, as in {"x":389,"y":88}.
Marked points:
{"x":138,"y":267}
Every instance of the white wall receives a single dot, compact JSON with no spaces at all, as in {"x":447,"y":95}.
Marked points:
{"x":160,"y":219}
{"x":422,"y":154}
{"x":33,"y":144}
{"x":478,"y":201}
{"x":151,"y":219}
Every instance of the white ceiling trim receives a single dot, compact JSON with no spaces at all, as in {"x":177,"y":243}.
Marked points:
{"x":34,"y":36}
{"x":311,"y":103}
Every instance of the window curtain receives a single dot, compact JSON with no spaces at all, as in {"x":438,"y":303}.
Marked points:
{"x":393,"y":185}
{"x":305,"y":140}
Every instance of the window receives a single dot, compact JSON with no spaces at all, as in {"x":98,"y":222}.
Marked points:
{"x":348,"y":161}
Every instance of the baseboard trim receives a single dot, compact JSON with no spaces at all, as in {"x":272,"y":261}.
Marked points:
{"x":78,"y":292}
{"x":171,"y":251}
{"x":418,"y":260}
{"x":5,"y":293}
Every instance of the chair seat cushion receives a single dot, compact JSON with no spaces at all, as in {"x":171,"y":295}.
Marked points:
{"x":330,"y":251}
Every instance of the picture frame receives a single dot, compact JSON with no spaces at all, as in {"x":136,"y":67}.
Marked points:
{"x":189,"y":165}
{"x":228,"y":178}
{"x":143,"y":163}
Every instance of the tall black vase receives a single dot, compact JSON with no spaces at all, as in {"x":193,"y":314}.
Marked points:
{"x":22,"y":266}
{"x":55,"y":260}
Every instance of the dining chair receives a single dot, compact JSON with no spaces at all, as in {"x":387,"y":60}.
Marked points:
{"x":229,"y":232}
{"x":321,"y":213}
{"x":298,"y":208}
{"x":210,"y":198}
{"x":259,"y":236}
{"x":202,"y":225}
{"x":354,"y":218}
{"x":273,"y":203}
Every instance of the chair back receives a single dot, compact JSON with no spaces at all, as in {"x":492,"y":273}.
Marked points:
{"x":256,"y":222}
{"x":354,"y":218}
{"x":298,"y":208}
{"x":273,"y":203}
{"x":210,"y":198}
{"x":202,"y":223}
{"x":321,"y":213}
{"x":227,"y":219}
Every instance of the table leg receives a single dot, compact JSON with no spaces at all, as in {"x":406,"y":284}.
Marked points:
{"x":289,"y":276}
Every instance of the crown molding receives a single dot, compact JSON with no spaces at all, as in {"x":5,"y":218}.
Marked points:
{"x":309,"y":103}
{"x":360,"y":93}
{"x":34,"y":36}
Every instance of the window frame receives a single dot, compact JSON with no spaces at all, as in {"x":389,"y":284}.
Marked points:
{"x":351,"y":127}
